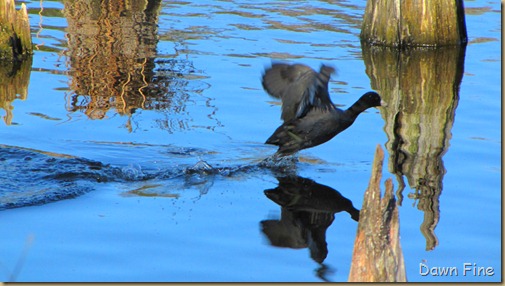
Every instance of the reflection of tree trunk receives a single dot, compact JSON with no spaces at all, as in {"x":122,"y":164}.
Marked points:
{"x":14,"y":79}
{"x":377,"y":254}
{"x":421,"y":88}
{"x":111,"y":50}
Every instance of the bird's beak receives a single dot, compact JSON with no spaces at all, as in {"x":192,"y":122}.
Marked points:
{"x":383,"y":103}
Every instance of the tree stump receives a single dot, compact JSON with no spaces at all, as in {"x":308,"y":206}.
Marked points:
{"x":377,"y":254}
{"x":398,"y":23}
{"x":15,"y":37}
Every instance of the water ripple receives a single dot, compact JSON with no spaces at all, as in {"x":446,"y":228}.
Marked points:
{"x":31,"y":177}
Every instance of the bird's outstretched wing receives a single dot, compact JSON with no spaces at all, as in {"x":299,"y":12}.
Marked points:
{"x":299,"y":87}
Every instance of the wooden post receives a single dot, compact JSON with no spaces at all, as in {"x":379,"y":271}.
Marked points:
{"x":15,"y":37}
{"x":377,"y":254}
{"x":15,"y":56}
{"x":399,"y":23}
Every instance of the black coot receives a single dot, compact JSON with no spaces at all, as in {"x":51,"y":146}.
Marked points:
{"x":310,"y":118}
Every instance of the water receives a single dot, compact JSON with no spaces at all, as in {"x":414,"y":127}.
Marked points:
{"x":135,"y":158}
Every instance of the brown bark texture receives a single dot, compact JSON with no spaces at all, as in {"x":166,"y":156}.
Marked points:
{"x":398,"y":23}
{"x":15,"y":37}
{"x":377,"y":254}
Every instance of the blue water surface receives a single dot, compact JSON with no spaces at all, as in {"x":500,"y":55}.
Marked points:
{"x":176,"y":194}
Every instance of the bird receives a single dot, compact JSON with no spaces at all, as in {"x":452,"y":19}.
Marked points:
{"x":310,"y":117}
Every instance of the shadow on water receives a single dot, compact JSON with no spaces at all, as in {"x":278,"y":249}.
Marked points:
{"x":421,"y":87}
{"x":307,"y":211}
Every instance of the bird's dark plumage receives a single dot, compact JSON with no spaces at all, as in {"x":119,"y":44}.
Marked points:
{"x":310,"y":118}
{"x":299,"y":87}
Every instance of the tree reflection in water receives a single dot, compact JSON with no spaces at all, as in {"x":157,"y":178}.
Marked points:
{"x":14,"y":80}
{"x":114,"y":66}
{"x":421,"y":87}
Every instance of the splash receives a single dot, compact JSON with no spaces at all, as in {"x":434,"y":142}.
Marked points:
{"x":30,"y":177}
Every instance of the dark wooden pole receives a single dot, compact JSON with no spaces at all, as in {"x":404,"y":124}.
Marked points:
{"x":399,"y":23}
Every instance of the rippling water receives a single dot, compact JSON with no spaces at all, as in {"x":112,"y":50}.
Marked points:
{"x":133,"y":150}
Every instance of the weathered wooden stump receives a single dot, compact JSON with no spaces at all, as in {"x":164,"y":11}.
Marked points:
{"x":15,"y":37}
{"x":399,"y":23}
{"x":15,"y":56}
{"x":377,"y":254}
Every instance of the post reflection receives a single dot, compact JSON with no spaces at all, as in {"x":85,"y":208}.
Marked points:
{"x":307,"y":210}
{"x":112,"y":51}
{"x":421,"y":87}
{"x":14,"y":80}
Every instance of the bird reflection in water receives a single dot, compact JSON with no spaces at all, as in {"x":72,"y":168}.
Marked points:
{"x":307,"y":210}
